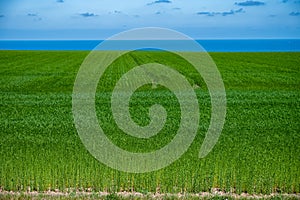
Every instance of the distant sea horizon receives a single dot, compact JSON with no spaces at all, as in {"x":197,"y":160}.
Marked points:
{"x":210,"y":45}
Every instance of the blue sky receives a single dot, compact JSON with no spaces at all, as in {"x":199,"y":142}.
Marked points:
{"x":99,"y":19}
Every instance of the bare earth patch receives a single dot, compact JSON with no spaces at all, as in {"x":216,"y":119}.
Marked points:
{"x":214,"y":194}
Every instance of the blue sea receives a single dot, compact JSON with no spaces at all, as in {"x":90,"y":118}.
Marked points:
{"x":251,"y":45}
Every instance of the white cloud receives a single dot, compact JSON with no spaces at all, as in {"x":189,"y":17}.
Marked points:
{"x":181,"y":15}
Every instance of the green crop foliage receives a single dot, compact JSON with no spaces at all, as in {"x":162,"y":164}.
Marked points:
{"x":258,"y":150}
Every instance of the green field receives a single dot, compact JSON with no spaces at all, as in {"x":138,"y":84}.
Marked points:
{"x":258,"y":150}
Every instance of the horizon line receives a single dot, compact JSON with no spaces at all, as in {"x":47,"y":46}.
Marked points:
{"x":98,"y":39}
